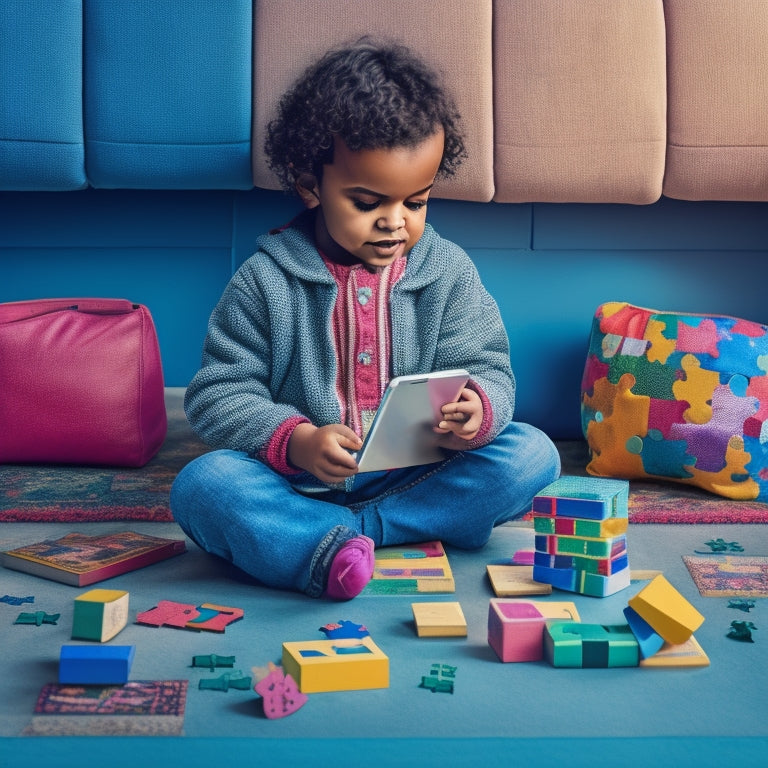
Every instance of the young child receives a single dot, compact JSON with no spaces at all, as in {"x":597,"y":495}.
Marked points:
{"x":356,"y":290}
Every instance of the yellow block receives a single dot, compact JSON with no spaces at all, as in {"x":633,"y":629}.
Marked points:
{"x":667,"y":611}
{"x":439,"y":620}
{"x":336,"y":665}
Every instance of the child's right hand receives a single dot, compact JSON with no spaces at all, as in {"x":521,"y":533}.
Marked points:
{"x":324,"y":451}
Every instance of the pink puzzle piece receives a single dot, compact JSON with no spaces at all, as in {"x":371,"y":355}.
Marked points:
{"x":208,"y":617}
{"x":169,"y":614}
{"x":281,"y":695}
{"x":697,"y":339}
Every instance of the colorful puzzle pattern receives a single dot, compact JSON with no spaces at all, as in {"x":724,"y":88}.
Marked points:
{"x":680,"y":397}
{"x":580,"y":538}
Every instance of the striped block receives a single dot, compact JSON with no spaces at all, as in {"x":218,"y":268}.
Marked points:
{"x":581,"y":582}
{"x":604,"y":566}
{"x":593,"y":498}
{"x":580,"y":545}
{"x":574,"y":526}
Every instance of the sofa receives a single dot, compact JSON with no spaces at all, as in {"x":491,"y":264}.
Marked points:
{"x":618,"y":150}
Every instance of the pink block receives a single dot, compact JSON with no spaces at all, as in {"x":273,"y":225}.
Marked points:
{"x":515,"y":630}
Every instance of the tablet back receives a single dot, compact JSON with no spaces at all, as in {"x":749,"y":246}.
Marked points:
{"x":401,"y":434}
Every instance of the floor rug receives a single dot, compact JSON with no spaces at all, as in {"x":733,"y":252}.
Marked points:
{"x":90,"y":494}
{"x":669,"y":502}
{"x":37,"y":493}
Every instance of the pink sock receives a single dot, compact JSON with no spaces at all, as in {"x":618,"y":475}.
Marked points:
{"x":351,"y":569}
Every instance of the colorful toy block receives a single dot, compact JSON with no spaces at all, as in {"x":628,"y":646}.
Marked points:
{"x":605,"y":566}
{"x":666,"y":610}
{"x":95,"y":664}
{"x":574,"y":526}
{"x":516,"y":627}
{"x":649,"y":641}
{"x":586,"y":497}
{"x":100,"y":614}
{"x":336,"y":665}
{"x":571,"y":644}
{"x":439,"y":620}
{"x":581,"y":582}
{"x":579,"y":545}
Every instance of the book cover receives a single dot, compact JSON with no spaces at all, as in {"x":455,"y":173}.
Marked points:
{"x":79,"y":560}
{"x":411,"y":569}
{"x":729,"y":575}
{"x":137,"y":708}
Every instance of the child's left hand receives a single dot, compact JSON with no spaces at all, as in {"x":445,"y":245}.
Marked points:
{"x":461,"y":419}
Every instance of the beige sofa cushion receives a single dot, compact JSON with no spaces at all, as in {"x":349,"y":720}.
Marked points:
{"x":453,"y":35}
{"x":718,"y":92}
{"x":580,"y":99}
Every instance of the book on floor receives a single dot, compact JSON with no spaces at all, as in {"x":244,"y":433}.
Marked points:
{"x":411,"y":569}
{"x":79,"y":560}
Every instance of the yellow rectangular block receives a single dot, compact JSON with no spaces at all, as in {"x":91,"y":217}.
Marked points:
{"x":336,"y":665}
{"x":439,"y":620}
{"x":667,"y":611}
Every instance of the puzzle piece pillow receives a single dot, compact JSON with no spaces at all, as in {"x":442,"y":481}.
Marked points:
{"x":678,"y":397}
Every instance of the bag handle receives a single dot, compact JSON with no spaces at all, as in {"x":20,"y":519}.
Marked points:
{"x":20,"y":310}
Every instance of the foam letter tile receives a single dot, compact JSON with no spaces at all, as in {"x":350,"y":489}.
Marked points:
{"x":214,"y":618}
{"x":666,"y":610}
{"x":336,"y":665}
{"x":439,"y":619}
{"x":100,"y":614}
{"x":95,"y":664}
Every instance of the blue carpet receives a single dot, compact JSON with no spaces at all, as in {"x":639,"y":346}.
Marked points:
{"x":531,"y":713}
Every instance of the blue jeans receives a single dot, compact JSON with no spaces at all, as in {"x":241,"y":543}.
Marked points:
{"x":271,"y":527}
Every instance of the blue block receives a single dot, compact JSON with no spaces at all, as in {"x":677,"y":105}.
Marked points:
{"x":648,"y":639}
{"x":95,"y":664}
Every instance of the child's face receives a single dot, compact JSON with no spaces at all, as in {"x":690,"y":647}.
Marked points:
{"x":373,"y":202}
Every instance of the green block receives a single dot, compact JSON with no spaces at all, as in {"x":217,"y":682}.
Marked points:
{"x":572,"y":644}
{"x":100,"y":614}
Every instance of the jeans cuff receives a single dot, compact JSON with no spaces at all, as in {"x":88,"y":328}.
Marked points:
{"x":326,"y":550}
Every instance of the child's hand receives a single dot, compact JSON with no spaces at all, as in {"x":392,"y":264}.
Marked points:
{"x":324,"y":451}
{"x":461,"y":419}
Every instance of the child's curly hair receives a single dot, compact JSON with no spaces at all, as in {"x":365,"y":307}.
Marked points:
{"x":371,"y":95}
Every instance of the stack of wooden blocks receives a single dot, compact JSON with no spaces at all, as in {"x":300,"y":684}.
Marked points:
{"x":580,"y":526}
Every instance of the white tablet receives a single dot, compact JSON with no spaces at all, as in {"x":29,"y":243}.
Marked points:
{"x":402,"y":434}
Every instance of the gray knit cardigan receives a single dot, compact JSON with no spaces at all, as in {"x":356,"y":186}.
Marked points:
{"x":269,"y":353}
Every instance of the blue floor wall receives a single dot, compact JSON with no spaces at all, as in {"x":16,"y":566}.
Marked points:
{"x":549,"y":266}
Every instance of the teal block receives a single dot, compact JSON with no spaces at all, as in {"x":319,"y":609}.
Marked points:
{"x":572,"y":644}
{"x":594,"y":498}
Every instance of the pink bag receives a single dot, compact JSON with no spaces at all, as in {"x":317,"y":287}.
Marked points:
{"x":81,"y":382}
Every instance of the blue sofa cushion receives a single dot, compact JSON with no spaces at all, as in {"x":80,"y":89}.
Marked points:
{"x":41,"y":104}
{"x":168,"y":94}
